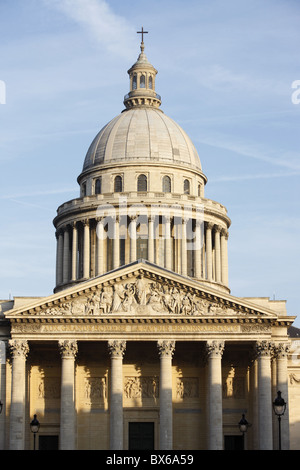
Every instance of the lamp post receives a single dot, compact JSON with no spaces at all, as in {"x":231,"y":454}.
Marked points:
{"x":34,"y":427}
{"x":244,"y":425}
{"x":279,"y":407}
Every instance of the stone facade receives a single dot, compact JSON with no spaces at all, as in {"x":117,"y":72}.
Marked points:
{"x":142,"y":345}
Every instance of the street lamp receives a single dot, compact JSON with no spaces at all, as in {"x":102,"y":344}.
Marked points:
{"x":34,"y":427}
{"x":279,"y":407}
{"x":244,"y":425}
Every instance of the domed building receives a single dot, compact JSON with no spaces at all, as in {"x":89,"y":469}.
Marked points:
{"x":142,"y":344}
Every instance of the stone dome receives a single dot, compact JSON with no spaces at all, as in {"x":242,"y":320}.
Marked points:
{"x":142,"y":134}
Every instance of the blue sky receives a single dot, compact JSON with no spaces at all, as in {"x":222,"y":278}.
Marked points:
{"x":226,"y":70}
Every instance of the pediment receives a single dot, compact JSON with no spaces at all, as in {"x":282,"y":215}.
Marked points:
{"x":142,"y":290}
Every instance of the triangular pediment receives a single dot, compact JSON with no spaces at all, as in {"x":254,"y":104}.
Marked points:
{"x":142,"y":289}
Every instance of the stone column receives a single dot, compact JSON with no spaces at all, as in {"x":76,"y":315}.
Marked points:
{"x":215,"y":418}
{"x":151,"y":238}
{"x":166,"y":351}
{"x":198,"y":253}
{"x":66,"y":261}
{"x":68,"y":351}
{"x":100,"y":244}
{"x":116,"y":242}
{"x":132,"y":235}
{"x":116,"y":350}
{"x":59,"y":257}
{"x":3,"y":393}
{"x":208,"y":245}
{"x":168,"y":245}
{"x":86,"y":249}
{"x":183,"y":248}
{"x":74,"y":252}
{"x":264,"y":351}
{"x":281,"y":353}
{"x":19,"y":351}
{"x":218,"y":253}
{"x":224,"y":257}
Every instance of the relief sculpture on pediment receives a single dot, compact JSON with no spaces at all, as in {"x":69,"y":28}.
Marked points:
{"x":140,"y":296}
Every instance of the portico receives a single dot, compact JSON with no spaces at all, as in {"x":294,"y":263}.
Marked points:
{"x":164,"y":368}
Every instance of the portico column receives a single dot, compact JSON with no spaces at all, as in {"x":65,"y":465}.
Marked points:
{"x":74,"y":252}
{"x":168,"y":250}
{"x":116,"y":350}
{"x":68,"y":351}
{"x":133,"y":238}
{"x":151,"y":239}
{"x":264,"y":351}
{"x":209,"y":250}
{"x":59,"y":257}
{"x":166,"y":351}
{"x":281,"y":353}
{"x":183,"y":248}
{"x":215,"y":418}
{"x":218,"y":253}
{"x":3,"y":380}
{"x":86,"y":249}
{"x":19,"y":350}
{"x":116,"y":241}
{"x":100,"y":243}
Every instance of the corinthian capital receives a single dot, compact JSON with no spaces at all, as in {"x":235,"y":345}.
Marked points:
{"x":264,"y":348}
{"x":18,"y":348}
{"x":116,"y":348}
{"x":215,"y":348}
{"x":68,"y":348}
{"x":166,"y":348}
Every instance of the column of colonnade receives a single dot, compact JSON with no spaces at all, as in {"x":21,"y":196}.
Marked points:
{"x":214,"y":348}
{"x":209,"y":246}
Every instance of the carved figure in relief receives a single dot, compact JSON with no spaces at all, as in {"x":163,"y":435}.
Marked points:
{"x":141,"y":290}
{"x":118,"y":297}
{"x":106,"y":300}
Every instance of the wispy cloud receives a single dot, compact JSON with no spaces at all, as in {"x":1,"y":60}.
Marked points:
{"x":285,"y":160}
{"x":110,"y":30}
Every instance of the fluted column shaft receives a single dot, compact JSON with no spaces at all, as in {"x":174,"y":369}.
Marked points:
{"x":215,"y":419}
{"x":168,"y":250}
{"x":86,"y":249}
{"x":116,"y":242}
{"x":264,"y":351}
{"x":198,"y":246}
{"x":100,"y":246}
{"x":183,"y":248}
{"x":74,"y":252}
{"x":19,"y":350}
{"x":218,"y":254}
{"x":68,"y":350}
{"x":166,"y":351}
{"x":132,"y":234}
{"x":59,"y":258}
{"x":66,"y":262}
{"x":151,"y":239}
{"x":117,"y":350}
{"x":208,"y":245}
{"x":224,"y":257}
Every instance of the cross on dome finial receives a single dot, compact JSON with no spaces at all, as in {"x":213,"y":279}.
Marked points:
{"x":142,"y":33}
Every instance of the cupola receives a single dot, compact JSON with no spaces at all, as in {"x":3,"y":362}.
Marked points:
{"x":142,"y":82}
